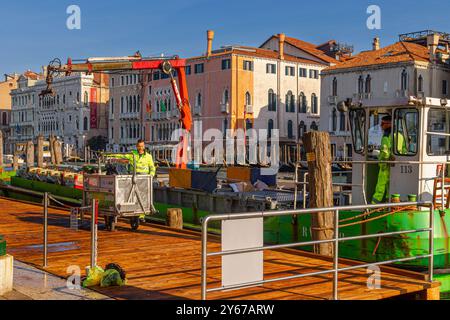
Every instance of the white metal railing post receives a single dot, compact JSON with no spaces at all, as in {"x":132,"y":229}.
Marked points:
{"x":45,"y":230}
{"x":431,"y":232}
{"x":296,"y":185}
{"x":443,"y":186}
{"x":305,"y":176}
{"x":204,"y":255}
{"x":336,"y":257}
{"x":94,"y":227}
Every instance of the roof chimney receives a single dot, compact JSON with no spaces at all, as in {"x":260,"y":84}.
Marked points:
{"x":210,"y":37}
{"x":376,"y":44}
{"x":432,"y":44}
{"x":282,"y":39}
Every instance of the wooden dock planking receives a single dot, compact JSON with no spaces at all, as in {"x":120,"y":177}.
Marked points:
{"x":165,"y":264}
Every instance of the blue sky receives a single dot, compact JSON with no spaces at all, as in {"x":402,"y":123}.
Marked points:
{"x":34,"y":32}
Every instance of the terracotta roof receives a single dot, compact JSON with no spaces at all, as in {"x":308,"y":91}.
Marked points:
{"x":259,"y":53}
{"x":397,"y":52}
{"x":31,"y":75}
{"x":308,"y":48}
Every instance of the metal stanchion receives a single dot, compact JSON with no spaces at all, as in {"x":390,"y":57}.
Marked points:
{"x":45,"y":229}
{"x":94,"y":228}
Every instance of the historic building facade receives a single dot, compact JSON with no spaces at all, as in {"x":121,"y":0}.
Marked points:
{"x":275,"y":86}
{"x":76,"y":113}
{"x":416,"y":66}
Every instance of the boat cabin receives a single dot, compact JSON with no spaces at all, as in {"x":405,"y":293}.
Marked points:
{"x":420,"y":145}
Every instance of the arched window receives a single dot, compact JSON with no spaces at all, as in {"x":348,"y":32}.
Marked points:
{"x":290,"y":130}
{"x":404,"y":80}
{"x":360,"y":85}
{"x":272,"y":101}
{"x":290,"y":103}
{"x":225,"y":97}
{"x":134,"y":104}
{"x":314,"y":104}
{"x":334,"y":87}
{"x":303,"y":104}
{"x":314,"y":126}
{"x":420,"y":84}
{"x":368,"y":84}
{"x":86,"y":98}
{"x":270,"y":128}
{"x":334,"y":120}
{"x":301,"y":129}
{"x":199,"y":100}
{"x":342,"y":121}
{"x":4,"y":118}
{"x":248,"y":99}
{"x":85,"y":124}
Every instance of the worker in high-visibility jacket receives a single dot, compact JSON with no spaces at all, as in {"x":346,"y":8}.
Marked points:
{"x":144,"y":160}
{"x":382,"y":188}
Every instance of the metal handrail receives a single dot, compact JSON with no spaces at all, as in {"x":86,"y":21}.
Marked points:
{"x":336,"y":240}
{"x":94,"y":229}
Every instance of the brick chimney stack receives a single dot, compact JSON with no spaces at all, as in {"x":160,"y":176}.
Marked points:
{"x":376,"y":44}
{"x":210,"y":38}
{"x":432,"y":43}
{"x":282,"y":39}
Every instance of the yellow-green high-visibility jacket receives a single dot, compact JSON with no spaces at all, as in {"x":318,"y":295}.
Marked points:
{"x":144,"y":163}
{"x":401,"y":143}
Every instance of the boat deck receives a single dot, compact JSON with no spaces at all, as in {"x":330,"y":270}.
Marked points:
{"x":162,"y":263}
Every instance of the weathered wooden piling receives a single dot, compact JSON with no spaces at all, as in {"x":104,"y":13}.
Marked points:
{"x":40,"y":151}
{"x":57,"y":147}
{"x":30,"y":154}
{"x":175,"y":218}
{"x":320,"y":188}
{"x":52,"y":149}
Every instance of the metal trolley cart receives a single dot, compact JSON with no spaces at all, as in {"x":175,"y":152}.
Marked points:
{"x":120,"y":196}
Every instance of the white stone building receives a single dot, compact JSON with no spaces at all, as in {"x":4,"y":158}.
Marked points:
{"x":76,"y":113}
{"x":417,"y":66}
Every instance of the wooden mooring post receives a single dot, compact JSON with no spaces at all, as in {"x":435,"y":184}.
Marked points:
{"x":40,"y":152}
{"x":320,"y":189}
{"x":175,"y":218}
{"x":30,"y":154}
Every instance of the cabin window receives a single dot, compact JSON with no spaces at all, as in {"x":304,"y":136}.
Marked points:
{"x":406,"y":123}
{"x":375,"y":134}
{"x":438,"y":143}
{"x":357,"y":125}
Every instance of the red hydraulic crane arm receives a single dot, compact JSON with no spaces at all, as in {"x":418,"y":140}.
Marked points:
{"x":132,"y":63}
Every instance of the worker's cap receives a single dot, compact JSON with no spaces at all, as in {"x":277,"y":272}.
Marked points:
{"x":386,"y":119}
